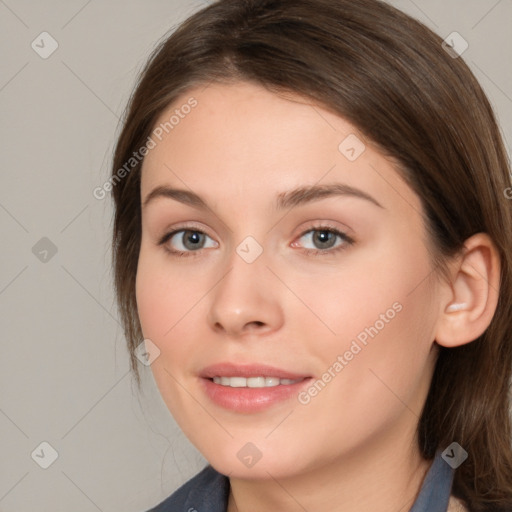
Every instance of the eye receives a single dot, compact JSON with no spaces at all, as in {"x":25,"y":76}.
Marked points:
{"x":324,"y":239}
{"x":185,"y":241}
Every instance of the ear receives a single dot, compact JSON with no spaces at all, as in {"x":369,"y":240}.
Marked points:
{"x":469,"y":300}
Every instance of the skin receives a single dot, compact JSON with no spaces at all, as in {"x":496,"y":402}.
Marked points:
{"x":353,"y":446}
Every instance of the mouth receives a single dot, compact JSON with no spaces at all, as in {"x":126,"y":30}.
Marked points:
{"x":253,"y":382}
{"x":250,"y":388}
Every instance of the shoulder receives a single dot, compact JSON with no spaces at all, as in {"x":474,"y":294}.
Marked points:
{"x":456,"y":505}
{"x":207,"y":492}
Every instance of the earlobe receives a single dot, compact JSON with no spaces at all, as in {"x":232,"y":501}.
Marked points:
{"x":472,"y":293}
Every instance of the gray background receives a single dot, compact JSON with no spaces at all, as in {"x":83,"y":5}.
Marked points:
{"x":64,"y":374}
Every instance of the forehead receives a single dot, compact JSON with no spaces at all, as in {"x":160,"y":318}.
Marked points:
{"x":235,"y":122}
{"x":243,"y":139}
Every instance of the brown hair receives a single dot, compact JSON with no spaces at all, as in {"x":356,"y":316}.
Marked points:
{"x":390,"y":77}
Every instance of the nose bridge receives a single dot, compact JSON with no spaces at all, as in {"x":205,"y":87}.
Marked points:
{"x":243,"y":299}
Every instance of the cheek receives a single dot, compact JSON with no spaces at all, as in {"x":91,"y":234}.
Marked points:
{"x":164,"y":295}
{"x":378,"y":382}
{"x":367,"y":297}
{"x":153,"y":305}
{"x":160,"y":309}
{"x":383,"y":317}
{"x":170,"y":307}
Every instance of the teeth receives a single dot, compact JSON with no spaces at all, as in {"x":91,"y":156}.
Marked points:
{"x":253,"y":382}
{"x":256,"y":382}
{"x":236,"y":382}
{"x":271,"y":382}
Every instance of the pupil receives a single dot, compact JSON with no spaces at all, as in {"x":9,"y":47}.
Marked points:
{"x":191,"y":236}
{"x":323,"y":238}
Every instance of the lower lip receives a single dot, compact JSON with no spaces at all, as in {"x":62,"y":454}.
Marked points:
{"x":251,"y":399}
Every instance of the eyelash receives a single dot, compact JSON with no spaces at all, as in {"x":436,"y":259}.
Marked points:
{"x":347,"y":241}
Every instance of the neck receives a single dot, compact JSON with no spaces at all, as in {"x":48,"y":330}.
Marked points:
{"x":383,"y":478}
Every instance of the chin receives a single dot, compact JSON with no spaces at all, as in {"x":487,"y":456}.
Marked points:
{"x":247,"y":461}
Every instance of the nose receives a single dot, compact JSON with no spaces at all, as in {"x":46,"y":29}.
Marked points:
{"x":247,"y":300}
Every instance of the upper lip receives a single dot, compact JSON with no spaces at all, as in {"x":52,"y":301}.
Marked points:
{"x":248,"y":370}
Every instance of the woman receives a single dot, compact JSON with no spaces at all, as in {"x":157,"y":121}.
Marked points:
{"x":311,"y":202}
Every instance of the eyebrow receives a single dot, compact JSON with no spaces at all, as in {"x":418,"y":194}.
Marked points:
{"x":289,"y":199}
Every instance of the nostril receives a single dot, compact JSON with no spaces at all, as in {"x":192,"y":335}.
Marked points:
{"x":258,"y":323}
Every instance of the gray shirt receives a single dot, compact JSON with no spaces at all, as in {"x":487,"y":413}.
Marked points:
{"x":208,"y":491}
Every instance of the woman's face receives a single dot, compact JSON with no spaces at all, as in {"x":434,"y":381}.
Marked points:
{"x":298,"y":264}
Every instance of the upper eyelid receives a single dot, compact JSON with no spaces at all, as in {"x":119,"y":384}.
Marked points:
{"x":321,"y":226}
{"x":187,"y":227}
{"x":344,"y":232}
{"x":339,"y":232}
